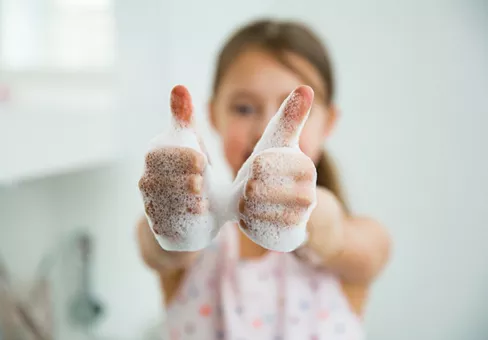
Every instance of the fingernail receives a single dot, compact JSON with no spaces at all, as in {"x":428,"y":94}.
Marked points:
{"x":181,"y":105}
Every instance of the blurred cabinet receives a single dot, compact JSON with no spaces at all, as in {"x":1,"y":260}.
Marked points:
{"x":57,"y":34}
{"x":56,"y":86}
{"x":52,"y":123}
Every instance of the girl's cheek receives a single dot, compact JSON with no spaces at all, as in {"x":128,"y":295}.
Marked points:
{"x":311,"y":143}
{"x":313,"y":135}
{"x":308,"y":149}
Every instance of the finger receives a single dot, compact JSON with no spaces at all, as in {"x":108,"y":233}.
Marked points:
{"x":296,"y":165}
{"x":297,"y":194}
{"x":162,"y":210}
{"x":165,"y":197}
{"x":197,"y":206}
{"x":177,"y":188}
{"x":173,"y":161}
{"x":277,"y":213}
{"x":181,"y":107}
{"x":164,"y":218}
{"x":284,"y":128}
{"x":195,"y":184}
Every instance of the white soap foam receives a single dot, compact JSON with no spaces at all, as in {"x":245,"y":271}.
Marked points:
{"x":270,"y":234}
{"x":179,"y":230}
{"x":171,"y":207}
{"x":175,"y":137}
{"x":281,"y":136}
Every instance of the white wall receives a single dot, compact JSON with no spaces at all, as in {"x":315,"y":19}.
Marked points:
{"x":413,"y":78}
{"x":26,"y":224}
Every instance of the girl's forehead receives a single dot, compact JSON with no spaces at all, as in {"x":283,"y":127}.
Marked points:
{"x":261,"y":71}
{"x":257,"y":72}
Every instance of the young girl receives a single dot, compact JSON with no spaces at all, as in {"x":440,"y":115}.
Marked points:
{"x":235,"y":288}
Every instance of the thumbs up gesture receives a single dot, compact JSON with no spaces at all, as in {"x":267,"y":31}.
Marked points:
{"x":174,"y":185}
{"x":272,"y":196}
{"x":277,"y":184}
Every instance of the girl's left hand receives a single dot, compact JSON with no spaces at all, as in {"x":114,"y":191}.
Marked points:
{"x":280,"y":188}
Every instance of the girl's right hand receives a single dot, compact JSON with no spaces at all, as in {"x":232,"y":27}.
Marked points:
{"x":174,"y":183}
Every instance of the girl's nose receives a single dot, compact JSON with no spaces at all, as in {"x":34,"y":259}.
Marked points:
{"x":261,"y":123}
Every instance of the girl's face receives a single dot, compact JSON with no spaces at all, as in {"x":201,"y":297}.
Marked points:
{"x":251,"y":92}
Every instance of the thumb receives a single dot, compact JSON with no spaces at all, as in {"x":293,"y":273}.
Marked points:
{"x":181,"y":107}
{"x":182,"y":112}
{"x":285,"y":127}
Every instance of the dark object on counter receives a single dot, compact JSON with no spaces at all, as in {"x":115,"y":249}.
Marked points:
{"x":85,"y":309}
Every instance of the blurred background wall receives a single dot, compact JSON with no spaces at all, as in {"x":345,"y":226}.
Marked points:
{"x":84,"y":85}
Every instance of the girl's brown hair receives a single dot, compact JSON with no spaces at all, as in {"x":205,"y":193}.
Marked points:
{"x":280,"y":38}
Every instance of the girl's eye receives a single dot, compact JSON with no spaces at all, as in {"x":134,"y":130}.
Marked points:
{"x":244,"y":109}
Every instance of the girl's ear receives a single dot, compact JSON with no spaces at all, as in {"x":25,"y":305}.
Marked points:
{"x":332,"y":117}
{"x":212,"y":113}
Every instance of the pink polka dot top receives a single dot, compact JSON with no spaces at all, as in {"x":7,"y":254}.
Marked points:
{"x":276,"y":297}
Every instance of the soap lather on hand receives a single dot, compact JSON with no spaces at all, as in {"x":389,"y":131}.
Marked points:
{"x":278,"y":181}
{"x":173,"y":186}
{"x":272,"y":196}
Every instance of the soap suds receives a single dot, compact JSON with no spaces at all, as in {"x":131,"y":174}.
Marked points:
{"x":174,"y":188}
{"x":277,"y":226}
{"x":184,"y":218}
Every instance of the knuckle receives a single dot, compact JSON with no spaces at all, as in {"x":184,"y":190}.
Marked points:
{"x":292,"y":216}
{"x":242,"y":206}
{"x":197,"y":161}
{"x":306,"y":196}
{"x":305,"y":199}
{"x":195,"y":184}
{"x":251,"y":188}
